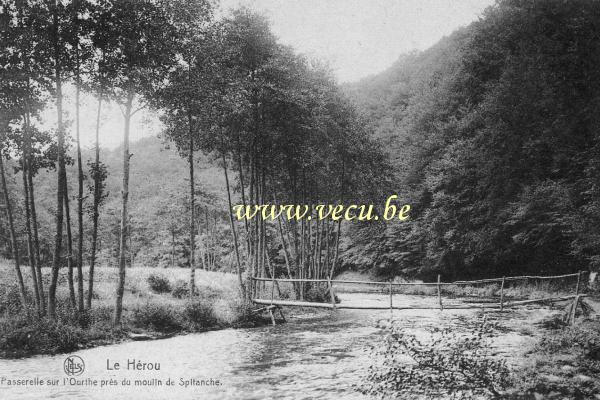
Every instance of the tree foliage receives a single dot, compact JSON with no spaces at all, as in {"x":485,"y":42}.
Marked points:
{"x":494,"y":134}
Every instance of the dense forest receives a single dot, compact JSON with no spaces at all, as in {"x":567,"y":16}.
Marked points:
{"x":491,"y":136}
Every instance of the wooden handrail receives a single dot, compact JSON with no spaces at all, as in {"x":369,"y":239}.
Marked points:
{"x":490,"y":280}
{"x":446,"y":307}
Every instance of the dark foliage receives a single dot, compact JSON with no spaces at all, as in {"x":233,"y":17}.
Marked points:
{"x":494,"y":135}
{"x":159,"y":284}
{"x":199,"y":314}
{"x":157,"y":317}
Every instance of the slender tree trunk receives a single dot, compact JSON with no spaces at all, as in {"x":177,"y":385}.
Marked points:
{"x":233,"y":231}
{"x":130,"y":238}
{"x":36,"y":241}
{"x":316,"y":248}
{"x":32,"y":215}
{"x":26,"y":169}
{"x":60,"y":164}
{"x":30,"y":252}
{"x":327,"y":245}
{"x":192,"y":209}
{"x":70,"y":260}
{"x":202,"y":248}
{"x":79,"y":193}
{"x":285,"y":251}
{"x":28,"y":186}
{"x":124,"y":217}
{"x":13,"y":237}
{"x":241,"y":176}
{"x":339,"y":225}
{"x":337,"y":248}
{"x":95,"y":213}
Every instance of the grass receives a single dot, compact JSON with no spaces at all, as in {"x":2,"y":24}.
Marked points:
{"x":565,"y":364}
{"x":156,"y":302}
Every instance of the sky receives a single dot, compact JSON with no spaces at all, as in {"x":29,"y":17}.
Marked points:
{"x":362,"y":37}
{"x":357,"y":38}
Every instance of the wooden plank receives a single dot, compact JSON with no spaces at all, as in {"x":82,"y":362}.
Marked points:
{"x":292,"y":303}
{"x":269,"y":307}
{"x":542,"y":300}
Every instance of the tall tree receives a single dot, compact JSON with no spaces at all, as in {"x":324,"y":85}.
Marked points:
{"x":24,"y":78}
{"x":100,"y":85}
{"x":78,"y":33}
{"x":9,"y":215}
{"x":57,"y":41}
{"x":187,"y":93}
{"x":138,"y":38}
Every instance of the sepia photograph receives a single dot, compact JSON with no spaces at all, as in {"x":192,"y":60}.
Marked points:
{"x":299,"y":199}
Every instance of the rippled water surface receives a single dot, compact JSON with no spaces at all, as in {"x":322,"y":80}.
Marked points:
{"x":316,"y":355}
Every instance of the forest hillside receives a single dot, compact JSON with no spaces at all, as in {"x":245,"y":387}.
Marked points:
{"x":158,"y":196}
{"x":493,"y":135}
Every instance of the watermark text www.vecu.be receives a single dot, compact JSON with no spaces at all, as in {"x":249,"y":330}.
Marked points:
{"x":295,"y":212}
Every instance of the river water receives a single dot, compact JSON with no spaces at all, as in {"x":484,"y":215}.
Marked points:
{"x":321,"y":354}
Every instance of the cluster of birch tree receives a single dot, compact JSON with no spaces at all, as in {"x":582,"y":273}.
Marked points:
{"x":274,"y":121}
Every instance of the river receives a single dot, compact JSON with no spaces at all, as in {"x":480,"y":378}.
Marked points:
{"x":314,"y":355}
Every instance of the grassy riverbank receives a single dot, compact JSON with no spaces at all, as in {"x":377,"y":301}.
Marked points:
{"x":155,"y":305}
{"x":565,"y":363}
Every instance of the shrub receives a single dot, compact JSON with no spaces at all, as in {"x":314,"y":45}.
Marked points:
{"x":10,"y":299}
{"x":20,"y":336}
{"x":584,"y":336}
{"x":236,"y":312}
{"x":319,"y":294}
{"x":156,"y":317}
{"x":158,"y":283}
{"x":199,"y":314}
{"x":446,"y":363}
{"x":180,"y":289}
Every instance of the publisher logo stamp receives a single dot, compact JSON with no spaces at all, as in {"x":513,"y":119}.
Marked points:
{"x":74,"y":365}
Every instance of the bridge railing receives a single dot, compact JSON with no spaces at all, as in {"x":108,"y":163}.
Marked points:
{"x":502,"y":304}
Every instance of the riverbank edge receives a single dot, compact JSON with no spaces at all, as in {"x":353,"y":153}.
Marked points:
{"x":123,"y":335}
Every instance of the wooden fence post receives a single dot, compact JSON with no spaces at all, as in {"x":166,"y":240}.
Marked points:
{"x":439,"y":293}
{"x":578,"y":283}
{"x":331,"y":293}
{"x":391,"y":305}
{"x":272,"y":317}
{"x":502,"y":294}
{"x":573,"y":310}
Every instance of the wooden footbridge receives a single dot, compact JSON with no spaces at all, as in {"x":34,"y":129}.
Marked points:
{"x":272,"y":304}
